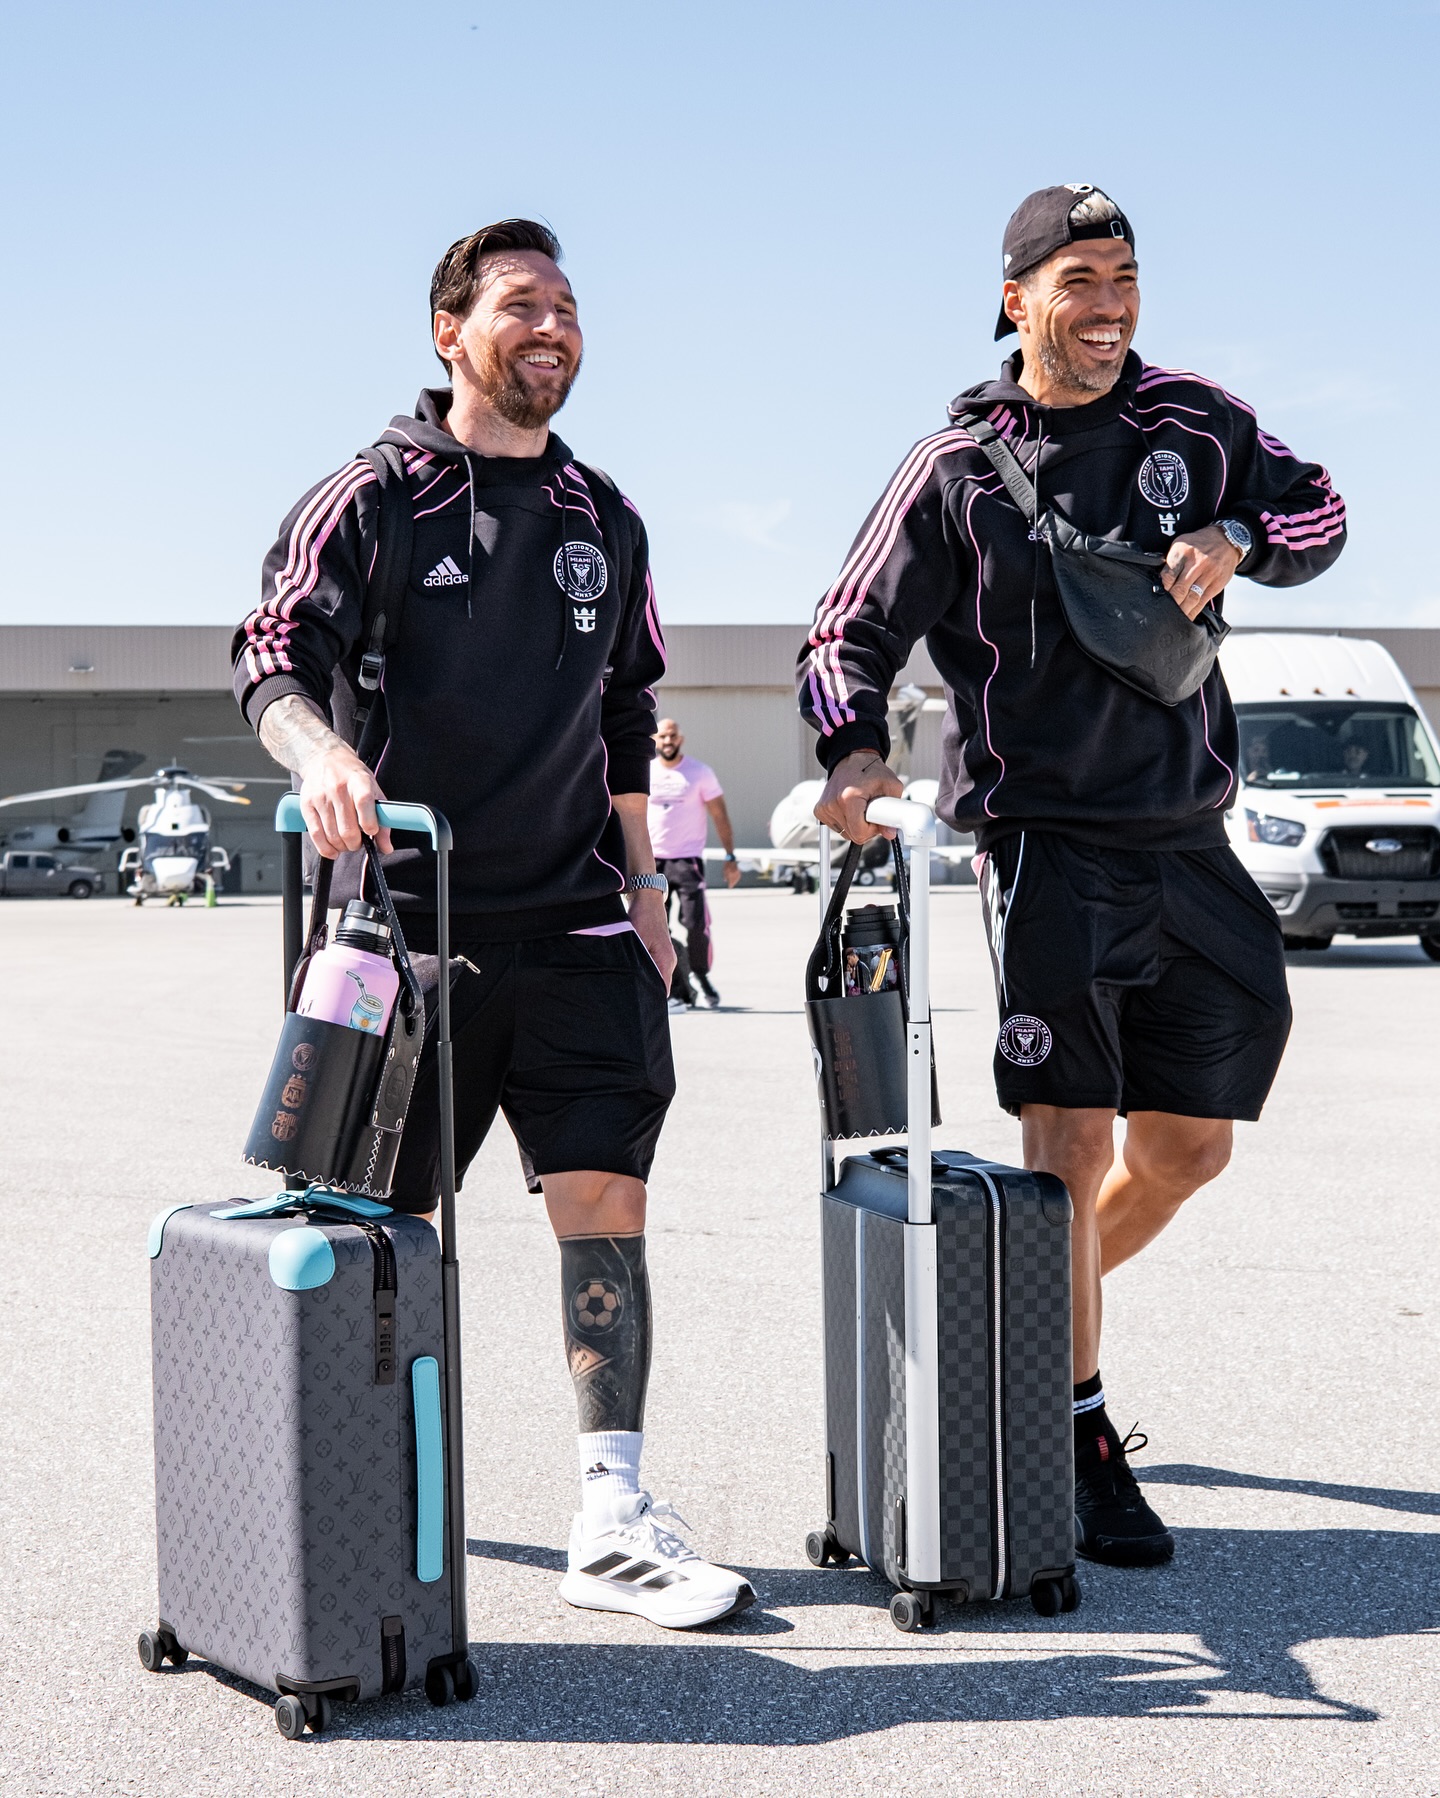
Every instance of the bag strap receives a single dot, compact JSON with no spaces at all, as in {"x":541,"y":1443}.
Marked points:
{"x":316,"y":931}
{"x":822,"y":971}
{"x":384,"y":591}
{"x":415,"y":1010}
{"x":1017,"y":483}
{"x":823,"y":968}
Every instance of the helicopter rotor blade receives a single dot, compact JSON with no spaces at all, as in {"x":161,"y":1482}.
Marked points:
{"x":92,"y":786}
{"x":216,"y":792}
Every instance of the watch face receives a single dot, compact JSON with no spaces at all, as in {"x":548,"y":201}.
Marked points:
{"x":1239,"y":535}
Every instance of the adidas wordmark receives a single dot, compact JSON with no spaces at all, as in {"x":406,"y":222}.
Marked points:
{"x":446,"y":574}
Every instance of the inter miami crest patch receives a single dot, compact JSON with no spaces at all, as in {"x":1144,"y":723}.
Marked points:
{"x":580,"y":569}
{"x":1024,"y":1040}
{"x":1164,"y":479}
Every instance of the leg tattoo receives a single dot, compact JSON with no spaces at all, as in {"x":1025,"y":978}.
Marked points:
{"x":605,"y":1293}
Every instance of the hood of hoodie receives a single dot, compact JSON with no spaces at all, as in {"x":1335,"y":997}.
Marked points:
{"x":426,"y":431}
{"x":1053,"y":421}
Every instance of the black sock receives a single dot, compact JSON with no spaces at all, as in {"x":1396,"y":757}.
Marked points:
{"x":1095,"y":1436}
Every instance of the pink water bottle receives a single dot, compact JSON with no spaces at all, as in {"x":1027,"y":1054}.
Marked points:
{"x":352,"y":981}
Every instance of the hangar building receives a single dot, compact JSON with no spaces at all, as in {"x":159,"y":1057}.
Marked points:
{"x":70,"y":693}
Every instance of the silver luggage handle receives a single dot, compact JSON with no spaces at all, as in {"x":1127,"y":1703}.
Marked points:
{"x":916,"y":825}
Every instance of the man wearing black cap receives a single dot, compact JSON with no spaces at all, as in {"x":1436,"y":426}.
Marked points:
{"x":1138,"y":969}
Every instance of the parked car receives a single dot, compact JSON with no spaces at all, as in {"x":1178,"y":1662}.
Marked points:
{"x":26,"y":874}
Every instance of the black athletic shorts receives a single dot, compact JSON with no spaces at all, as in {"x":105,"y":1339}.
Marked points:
{"x":1146,"y":980}
{"x":570,"y":1038}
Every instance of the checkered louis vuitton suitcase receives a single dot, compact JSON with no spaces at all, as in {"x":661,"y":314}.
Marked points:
{"x":308,"y":1480}
{"x":949,"y":1444}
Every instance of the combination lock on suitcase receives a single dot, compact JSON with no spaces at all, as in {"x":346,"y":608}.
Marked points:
{"x":308,"y":1459}
{"x":949,"y":1464}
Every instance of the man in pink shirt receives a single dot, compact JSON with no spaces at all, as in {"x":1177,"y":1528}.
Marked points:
{"x":684,"y":796}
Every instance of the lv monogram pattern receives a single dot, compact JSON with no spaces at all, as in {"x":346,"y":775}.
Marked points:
{"x":284,"y":1476}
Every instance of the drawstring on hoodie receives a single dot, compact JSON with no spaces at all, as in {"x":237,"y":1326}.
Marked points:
{"x":564,"y":566}
{"x":1035,"y":533}
{"x":470,"y":560}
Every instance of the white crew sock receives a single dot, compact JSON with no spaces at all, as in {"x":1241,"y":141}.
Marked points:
{"x":609,"y":1470}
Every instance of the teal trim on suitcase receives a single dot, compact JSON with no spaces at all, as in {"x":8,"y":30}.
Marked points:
{"x":317,"y":1196}
{"x":301,"y":1259}
{"x":429,"y":1471}
{"x":156,"y":1238}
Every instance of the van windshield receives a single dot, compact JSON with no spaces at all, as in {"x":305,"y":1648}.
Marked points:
{"x":1334,"y":743}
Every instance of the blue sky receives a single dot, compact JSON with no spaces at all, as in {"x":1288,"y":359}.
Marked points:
{"x":782,"y":222}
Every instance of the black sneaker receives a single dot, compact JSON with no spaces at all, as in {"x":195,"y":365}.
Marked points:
{"x":1113,"y":1523}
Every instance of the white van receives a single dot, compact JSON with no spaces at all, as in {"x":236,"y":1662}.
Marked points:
{"x":1337,"y":812}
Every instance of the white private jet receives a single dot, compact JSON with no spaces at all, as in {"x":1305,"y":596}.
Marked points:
{"x":795,"y":836}
{"x":95,"y":826}
{"x":794,"y":854}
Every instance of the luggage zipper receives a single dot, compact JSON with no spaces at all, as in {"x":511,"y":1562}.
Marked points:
{"x":861,"y":1376}
{"x":997,"y":1395}
{"x":382,"y":1252}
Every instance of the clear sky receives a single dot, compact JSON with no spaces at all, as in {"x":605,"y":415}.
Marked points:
{"x":782,"y":222}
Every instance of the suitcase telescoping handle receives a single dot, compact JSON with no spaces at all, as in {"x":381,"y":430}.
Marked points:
{"x":424,"y":822}
{"x":915,"y":824}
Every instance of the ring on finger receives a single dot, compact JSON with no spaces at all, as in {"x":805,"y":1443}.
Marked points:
{"x":1197,"y":589}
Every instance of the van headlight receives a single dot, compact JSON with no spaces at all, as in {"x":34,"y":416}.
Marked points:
{"x":1284,"y":831}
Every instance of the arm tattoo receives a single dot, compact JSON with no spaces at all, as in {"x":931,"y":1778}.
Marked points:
{"x":605,"y":1291}
{"x":293,"y":730}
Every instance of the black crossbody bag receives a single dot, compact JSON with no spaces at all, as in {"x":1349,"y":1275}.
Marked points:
{"x":1110,"y":594}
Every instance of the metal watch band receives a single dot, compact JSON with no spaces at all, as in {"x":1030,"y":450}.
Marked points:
{"x":1239,"y":536}
{"x":648,"y":883}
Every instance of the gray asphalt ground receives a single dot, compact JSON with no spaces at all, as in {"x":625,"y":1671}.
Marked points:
{"x":1278,"y":1345}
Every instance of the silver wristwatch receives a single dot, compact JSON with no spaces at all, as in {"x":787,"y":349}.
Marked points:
{"x":1238,"y":535}
{"x":648,"y":883}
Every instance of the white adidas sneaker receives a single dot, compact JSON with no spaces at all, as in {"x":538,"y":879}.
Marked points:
{"x":634,"y":1562}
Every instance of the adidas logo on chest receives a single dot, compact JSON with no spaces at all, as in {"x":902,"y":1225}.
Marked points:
{"x":446,"y":573}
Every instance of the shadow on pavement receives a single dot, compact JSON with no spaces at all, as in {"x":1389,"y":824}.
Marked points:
{"x":1212,"y":1635}
{"x":1420,"y":1504}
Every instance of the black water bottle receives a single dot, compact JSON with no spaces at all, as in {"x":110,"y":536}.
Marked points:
{"x":870,"y":950}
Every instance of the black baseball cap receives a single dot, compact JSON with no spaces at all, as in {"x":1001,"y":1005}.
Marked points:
{"x":1050,"y":219}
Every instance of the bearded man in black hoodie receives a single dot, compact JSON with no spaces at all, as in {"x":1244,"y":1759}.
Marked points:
{"x":1138,"y":969}
{"x":517,"y":701}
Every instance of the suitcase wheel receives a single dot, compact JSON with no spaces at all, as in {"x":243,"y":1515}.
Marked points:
{"x":911,"y":1611}
{"x":293,"y":1714}
{"x":467,"y":1681}
{"x":158,"y":1646}
{"x":1052,"y":1596}
{"x":290,"y":1717}
{"x":823,"y":1550}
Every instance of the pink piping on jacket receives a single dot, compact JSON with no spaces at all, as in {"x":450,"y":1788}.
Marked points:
{"x":1229,"y":771}
{"x":848,"y":594}
{"x":980,"y":630}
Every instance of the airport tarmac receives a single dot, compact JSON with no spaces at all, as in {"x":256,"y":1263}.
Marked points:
{"x":1278,"y":1345}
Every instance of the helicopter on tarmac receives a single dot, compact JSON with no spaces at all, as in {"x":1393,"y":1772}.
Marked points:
{"x":173,"y":857}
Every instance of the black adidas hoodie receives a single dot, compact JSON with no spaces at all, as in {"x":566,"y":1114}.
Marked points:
{"x":1037,"y":735}
{"x":518,"y":694}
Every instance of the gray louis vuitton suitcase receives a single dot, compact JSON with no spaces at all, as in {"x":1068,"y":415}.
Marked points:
{"x":949,"y":1444}
{"x":308,"y":1461}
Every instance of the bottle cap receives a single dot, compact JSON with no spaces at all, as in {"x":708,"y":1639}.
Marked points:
{"x":868,"y":924}
{"x":363,"y":926}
